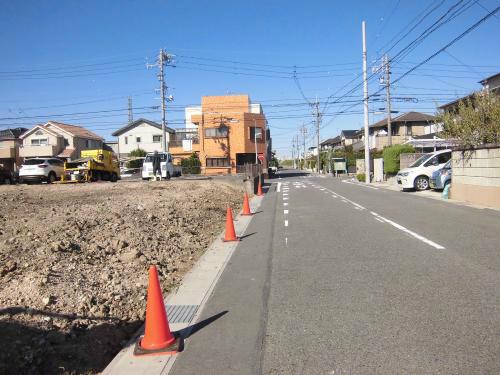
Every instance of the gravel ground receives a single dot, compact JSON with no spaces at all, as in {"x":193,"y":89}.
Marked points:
{"x":74,"y":261}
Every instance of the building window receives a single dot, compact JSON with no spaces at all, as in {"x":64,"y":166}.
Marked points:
{"x":87,"y":143}
{"x":254,"y":130}
{"x":138,"y":139}
{"x":216,"y":132}
{"x":39,"y":142}
{"x":156,"y":138}
{"x":217,"y":162}
{"x":126,"y":140}
{"x":66,"y":142}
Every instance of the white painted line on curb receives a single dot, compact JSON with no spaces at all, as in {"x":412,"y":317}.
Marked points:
{"x":406,"y":230}
{"x":279,"y":187}
{"x":285,"y":212}
{"x":286,"y":223}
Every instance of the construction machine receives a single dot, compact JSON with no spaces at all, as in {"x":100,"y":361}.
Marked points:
{"x":94,"y":165}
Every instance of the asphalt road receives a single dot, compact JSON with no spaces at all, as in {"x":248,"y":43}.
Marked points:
{"x":339,"y":278}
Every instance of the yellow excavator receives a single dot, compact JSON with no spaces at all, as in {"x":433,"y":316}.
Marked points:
{"x":94,"y":165}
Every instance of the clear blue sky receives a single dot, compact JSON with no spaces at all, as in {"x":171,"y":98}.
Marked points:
{"x":74,"y":57}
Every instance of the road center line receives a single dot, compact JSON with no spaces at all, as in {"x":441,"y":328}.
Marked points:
{"x":285,"y":212}
{"x":285,"y":204}
{"x":286,"y":223}
{"x":406,"y":230}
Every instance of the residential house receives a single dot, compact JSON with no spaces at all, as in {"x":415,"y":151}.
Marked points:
{"x":144,"y":134}
{"x":490,"y":85}
{"x":403,"y":128}
{"x":226,"y":132}
{"x":330,"y":144}
{"x":348,"y":137}
{"x":9,"y":148}
{"x":55,"y":139}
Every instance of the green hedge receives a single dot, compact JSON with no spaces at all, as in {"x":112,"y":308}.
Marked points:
{"x":191,"y":165}
{"x":137,"y":163}
{"x":391,"y":157}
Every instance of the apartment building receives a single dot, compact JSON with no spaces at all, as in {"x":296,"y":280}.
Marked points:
{"x":226,"y":132}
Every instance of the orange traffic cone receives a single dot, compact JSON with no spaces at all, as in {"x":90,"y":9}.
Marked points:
{"x":246,"y":206}
{"x":259,"y":189}
{"x":230,"y":233}
{"x":157,"y":339}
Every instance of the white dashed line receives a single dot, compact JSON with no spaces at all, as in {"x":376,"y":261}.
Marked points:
{"x":285,"y":204}
{"x":279,"y":187}
{"x":406,"y":230}
{"x":285,"y":212}
{"x":285,"y":198}
{"x":286,"y":223}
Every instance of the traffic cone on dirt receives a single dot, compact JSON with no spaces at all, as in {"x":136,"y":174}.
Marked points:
{"x":230,"y":233}
{"x":259,"y":189}
{"x":246,"y":206}
{"x":157,"y":339}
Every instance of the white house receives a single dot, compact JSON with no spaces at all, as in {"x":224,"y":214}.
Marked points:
{"x":143,"y":134}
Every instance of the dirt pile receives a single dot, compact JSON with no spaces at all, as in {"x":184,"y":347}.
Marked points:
{"x":74,"y":260}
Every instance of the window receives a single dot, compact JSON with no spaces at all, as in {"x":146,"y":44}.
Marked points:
{"x":126,"y":140}
{"x":138,"y":139}
{"x":56,"y":162}
{"x":216,"y":132}
{"x":66,"y":142}
{"x":433,"y":161}
{"x":217,"y":162}
{"x":409,"y":130}
{"x":39,"y":142}
{"x":157,"y":138}
{"x":443,"y":158}
{"x":39,"y":132}
{"x":87,"y":143}
{"x":254,"y":130}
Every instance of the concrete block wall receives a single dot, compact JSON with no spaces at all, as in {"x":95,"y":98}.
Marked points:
{"x":476,"y":176}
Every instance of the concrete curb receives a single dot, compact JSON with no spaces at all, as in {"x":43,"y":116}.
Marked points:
{"x":190,"y":297}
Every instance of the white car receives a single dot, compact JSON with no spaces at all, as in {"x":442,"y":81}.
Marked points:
{"x":417,"y":175}
{"x":166,"y":166}
{"x":41,"y":169}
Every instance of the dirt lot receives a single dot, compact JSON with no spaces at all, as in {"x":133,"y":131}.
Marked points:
{"x":74,"y":261}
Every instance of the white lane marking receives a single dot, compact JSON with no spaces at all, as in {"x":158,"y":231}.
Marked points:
{"x":285,"y":198}
{"x":357,"y":208}
{"x":285,"y":212}
{"x":406,"y":230}
{"x":334,"y":196}
{"x":286,"y":223}
{"x":285,"y":204}
{"x":286,"y":240}
{"x":348,"y":200}
{"x":285,"y":194}
{"x":343,"y":200}
{"x":279,"y":187}
{"x":359,"y":184}
{"x":376,"y":218}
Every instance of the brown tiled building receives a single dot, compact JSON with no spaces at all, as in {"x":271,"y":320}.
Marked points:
{"x":226,"y":132}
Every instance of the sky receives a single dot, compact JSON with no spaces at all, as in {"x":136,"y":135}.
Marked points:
{"x":78,"y":61}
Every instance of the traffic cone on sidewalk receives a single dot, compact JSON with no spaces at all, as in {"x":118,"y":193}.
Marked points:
{"x":246,"y":206}
{"x":259,"y":189}
{"x":230,"y":233}
{"x":157,"y":339}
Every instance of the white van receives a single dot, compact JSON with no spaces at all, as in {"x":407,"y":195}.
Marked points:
{"x":417,"y":175}
{"x":166,"y":166}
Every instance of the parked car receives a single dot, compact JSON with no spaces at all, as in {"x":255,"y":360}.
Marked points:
{"x":417,"y":175}
{"x":168,"y":169}
{"x":441,"y":177}
{"x":41,"y":169}
{"x":6,"y":176}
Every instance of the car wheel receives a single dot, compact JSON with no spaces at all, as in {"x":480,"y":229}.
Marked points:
{"x":421,"y":183}
{"x":51,"y":178}
{"x":114,"y":177}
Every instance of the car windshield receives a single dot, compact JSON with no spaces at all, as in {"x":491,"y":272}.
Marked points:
{"x":33,"y":161}
{"x":419,"y":161}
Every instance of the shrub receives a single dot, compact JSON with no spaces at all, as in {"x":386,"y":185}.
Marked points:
{"x":137,"y":163}
{"x":191,"y":165}
{"x":361,"y":177}
{"x":391,"y":157}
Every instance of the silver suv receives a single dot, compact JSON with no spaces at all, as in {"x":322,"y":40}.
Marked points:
{"x":41,"y":169}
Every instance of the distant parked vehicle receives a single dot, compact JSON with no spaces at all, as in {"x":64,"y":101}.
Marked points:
{"x":441,"y":177}
{"x":417,"y":175}
{"x":167,"y":167}
{"x":41,"y":169}
{"x":94,"y":165}
{"x":6,"y":176}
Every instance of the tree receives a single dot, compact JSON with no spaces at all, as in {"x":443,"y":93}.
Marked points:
{"x":191,"y":165}
{"x":136,"y":163}
{"x":476,"y":121}
{"x":392,"y":155}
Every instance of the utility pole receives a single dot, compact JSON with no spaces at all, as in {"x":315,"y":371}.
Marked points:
{"x":163,"y":59}
{"x":388,"y":98}
{"x":304,"y":133}
{"x":317,"y":116}
{"x":365,"y":95}
{"x":130,"y":114}
{"x":293,"y":152}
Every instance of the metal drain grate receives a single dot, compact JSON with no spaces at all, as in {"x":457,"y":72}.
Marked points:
{"x":181,"y":313}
